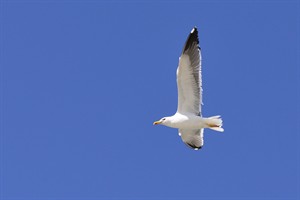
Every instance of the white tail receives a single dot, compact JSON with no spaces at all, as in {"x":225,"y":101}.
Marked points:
{"x":214,"y":123}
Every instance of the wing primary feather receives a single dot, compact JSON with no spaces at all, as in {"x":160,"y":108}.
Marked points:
{"x":191,"y":40}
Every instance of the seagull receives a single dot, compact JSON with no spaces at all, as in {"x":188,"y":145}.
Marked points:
{"x":188,"y":118}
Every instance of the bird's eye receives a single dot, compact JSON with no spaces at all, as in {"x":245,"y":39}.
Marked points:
{"x":164,"y":119}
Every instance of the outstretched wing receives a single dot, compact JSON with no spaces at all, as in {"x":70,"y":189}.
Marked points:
{"x":192,"y":138}
{"x":189,"y":81}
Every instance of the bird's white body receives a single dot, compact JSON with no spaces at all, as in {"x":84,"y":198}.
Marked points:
{"x":185,"y":121}
{"x":188,"y":118}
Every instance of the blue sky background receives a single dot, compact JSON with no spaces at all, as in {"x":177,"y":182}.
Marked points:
{"x":83,"y":81}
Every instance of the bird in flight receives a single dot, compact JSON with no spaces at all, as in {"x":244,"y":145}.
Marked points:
{"x":188,"y":118}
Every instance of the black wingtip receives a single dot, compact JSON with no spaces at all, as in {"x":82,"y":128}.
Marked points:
{"x":192,"y":38}
{"x":194,"y":146}
{"x":198,"y":148}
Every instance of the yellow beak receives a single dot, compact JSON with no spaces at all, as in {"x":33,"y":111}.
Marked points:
{"x":157,"y":122}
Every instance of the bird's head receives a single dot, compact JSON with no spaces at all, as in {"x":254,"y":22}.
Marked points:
{"x":163,"y":121}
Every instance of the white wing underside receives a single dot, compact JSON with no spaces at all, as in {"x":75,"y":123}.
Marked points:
{"x":189,"y":81}
{"x":192,"y":138}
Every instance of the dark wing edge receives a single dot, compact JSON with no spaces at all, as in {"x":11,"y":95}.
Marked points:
{"x":191,"y":40}
{"x":192,"y":138}
{"x":192,"y":146}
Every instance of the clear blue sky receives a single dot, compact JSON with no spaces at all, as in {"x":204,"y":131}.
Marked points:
{"x":83,"y":81}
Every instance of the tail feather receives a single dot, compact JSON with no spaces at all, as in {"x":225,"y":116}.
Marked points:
{"x":215,"y":123}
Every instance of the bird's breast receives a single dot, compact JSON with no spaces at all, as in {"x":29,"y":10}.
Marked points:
{"x":187,"y":122}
